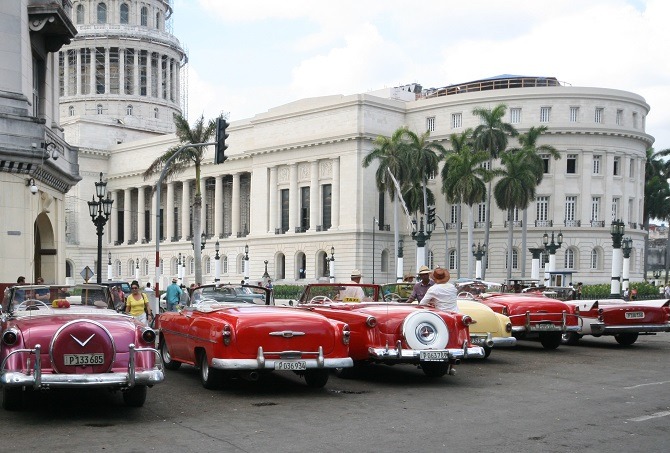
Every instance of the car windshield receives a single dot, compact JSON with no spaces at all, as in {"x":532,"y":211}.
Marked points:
{"x":216,"y":294}
{"x":31,"y":297}
{"x":340,"y":293}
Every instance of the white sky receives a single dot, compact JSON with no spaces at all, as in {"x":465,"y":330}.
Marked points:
{"x":247,"y":56}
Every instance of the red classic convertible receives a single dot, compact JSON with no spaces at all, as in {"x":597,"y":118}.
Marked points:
{"x":389,"y":332}
{"x":623,"y":320}
{"x":236,"y":329}
{"x":71,"y":337}
{"x":535,"y":316}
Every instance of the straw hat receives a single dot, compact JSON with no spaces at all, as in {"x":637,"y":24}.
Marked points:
{"x":441,"y":275}
{"x":356,"y":273}
{"x":424,"y":270}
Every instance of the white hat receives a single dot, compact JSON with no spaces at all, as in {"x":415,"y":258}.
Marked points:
{"x":355,"y":273}
{"x":174,"y":279}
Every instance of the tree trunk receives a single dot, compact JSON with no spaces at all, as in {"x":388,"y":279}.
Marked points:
{"x":487,"y":218}
{"x":524,"y":238}
{"x":197,"y":228}
{"x":510,"y":240}
{"x":471,"y":240}
{"x":458,"y":241}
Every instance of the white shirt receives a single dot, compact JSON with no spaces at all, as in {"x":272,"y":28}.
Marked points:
{"x":441,"y":296}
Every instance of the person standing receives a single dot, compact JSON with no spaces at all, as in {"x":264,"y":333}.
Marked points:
{"x":442,"y":295}
{"x":151,"y":295}
{"x":137,"y":304}
{"x":421,"y":286}
{"x":42,"y":294}
{"x":173,"y":295}
{"x":579,"y":291}
{"x":353,"y":293}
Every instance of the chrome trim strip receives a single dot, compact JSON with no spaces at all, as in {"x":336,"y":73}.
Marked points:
{"x":602,"y":329}
{"x":269,"y":364}
{"x":412,"y":355}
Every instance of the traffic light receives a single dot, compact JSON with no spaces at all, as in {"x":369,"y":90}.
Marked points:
{"x":221,"y":135}
{"x":431,"y":215}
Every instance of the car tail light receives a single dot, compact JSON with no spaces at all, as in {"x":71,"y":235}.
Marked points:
{"x":346,"y":334}
{"x":508,"y":327}
{"x":371,"y":321}
{"x":600,"y":315}
{"x":149,"y":336}
{"x":227,"y":335}
{"x":10,"y":337}
{"x":505,"y":311}
{"x":467,"y":320}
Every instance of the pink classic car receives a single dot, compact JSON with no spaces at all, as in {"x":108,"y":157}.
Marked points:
{"x":72,"y":337}
{"x":621,"y":319}
{"x":535,"y":316}
{"x":393,"y":333}
{"x":235,"y":330}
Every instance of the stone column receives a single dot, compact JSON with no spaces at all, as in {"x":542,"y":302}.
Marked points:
{"x":293,"y":199}
{"x":335,"y":200}
{"x":202,"y":203}
{"x":127,"y":233}
{"x":159,"y":77}
{"x":136,"y":72}
{"x":78,"y":81}
{"x":66,"y":73}
{"x":218,"y":207}
{"x":185,"y":210}
{"x":107,"y":72}
{"x":272,"y":196}
{"x":91,"y":81}
{"x":141,"y":223}
{"x":114,"y":219}
{"x":122,"y":72}
{"x":149,"y":60}
{"x":152,"y":209}
{"x":314,"y":201}
{"x":169,"y":212}
{"x":235,"y":205}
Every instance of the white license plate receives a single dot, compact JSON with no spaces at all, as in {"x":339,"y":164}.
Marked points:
{"x":433,"y":355}
{"x":83,"y":359}
{"x":291,"y":366}
{"x":635,"y":315}
{"x":547,"y":327}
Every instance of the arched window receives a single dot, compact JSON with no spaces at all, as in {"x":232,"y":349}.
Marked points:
{"x":102,"y":13}
{"x":124,"y":13}
{"x":595,"y":259}
{"x":99,"y":109}
{"x":145,"y":267}
{"x":570,"y":258}
{"x":156,"y":112}
{"x":452,"y":260}
{"x":143,"y":16}
{"x":117,"y":268}
{"x":207,"y":265}
{"x":158,"y":20}
{"x":240,"y":264}
{"x":280,"y":266}
{"x":384,"y":265}
{"x":191,"y":266}
{"x":224,"y":264}
{"x":129,"y":110}
{"x":71,"y":110}
{"x":80,"y":14}
{"x":131,"y":268}
{"x":174,"y":267}
{"x":515,"y":259}
{"x":430,"y":259}
{"x":68,"y":269}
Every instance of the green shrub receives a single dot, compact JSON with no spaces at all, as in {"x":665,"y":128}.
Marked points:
{"x":602,"y":291}
{"x":288,"y":291}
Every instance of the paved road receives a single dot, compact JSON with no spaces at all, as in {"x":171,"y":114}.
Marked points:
{"x":595,"y":397}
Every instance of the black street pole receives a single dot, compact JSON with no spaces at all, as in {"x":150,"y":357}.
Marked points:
{"x":100,"y":211}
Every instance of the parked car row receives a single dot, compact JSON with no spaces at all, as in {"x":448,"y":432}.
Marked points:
{"x":73,"y":336}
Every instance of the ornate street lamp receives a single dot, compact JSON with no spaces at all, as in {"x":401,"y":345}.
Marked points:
{"x":626,"y":248}
{"x":217,"y":263}
{"x":100,"y":211}
{"x":550,"y":247}
{"x":180,"y":275}
{"x":332,"y":265}
{"x":246,"y":263}
{"x":617,"y":230}
{"x":109,"y":266}
{"x":400,"y":267}
{"x":478,"y":251}
{"x":137,"y":269}
{"x":266,"y":276}
{"x":420,"y":236}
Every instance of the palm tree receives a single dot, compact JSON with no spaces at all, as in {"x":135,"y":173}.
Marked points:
{"x":491,"y":136}
{"x":516,"y":189}
{"x":424,"y":157}
{"x":464,"y":181}
{"x":656,"y":192}
{"x":200,"y":133}
{"x":528,"y":142}
{"x":390,"y":152}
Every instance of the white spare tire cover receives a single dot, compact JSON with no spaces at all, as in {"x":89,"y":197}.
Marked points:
{"x":425,"y":330}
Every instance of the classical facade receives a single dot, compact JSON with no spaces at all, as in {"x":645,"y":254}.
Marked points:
{"x":37,"y":166}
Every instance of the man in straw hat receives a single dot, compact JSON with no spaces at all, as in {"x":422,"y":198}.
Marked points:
{"x":442,"y":295}
{"x":173,"y":295}
{"x":421,"y":286}
{"x":353,"y":293}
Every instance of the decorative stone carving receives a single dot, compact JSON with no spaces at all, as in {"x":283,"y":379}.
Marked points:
{"x":326,"y":169}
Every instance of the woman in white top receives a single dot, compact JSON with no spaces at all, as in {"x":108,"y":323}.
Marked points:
{"x":441,"y":295}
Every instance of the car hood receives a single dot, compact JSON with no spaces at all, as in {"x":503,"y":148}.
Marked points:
{"x":521,"y":303}
{"x":486,"y":319}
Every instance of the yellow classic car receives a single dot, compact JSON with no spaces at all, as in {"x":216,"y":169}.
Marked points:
{"x":491,"y":329}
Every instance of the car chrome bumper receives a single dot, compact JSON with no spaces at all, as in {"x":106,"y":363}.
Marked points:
{"x":537,"y":326}
{"x":401,"y":354}
{"x":262,"y":362}
{"x":491,"y":341}
{"x":38,"y":380}
{"x":602,"y":329}
{"x":504,"y":342}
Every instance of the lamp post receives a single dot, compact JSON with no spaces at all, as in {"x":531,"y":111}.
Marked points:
{"x":266,"y":276}
{"x":478,"y":251}
{"x":137,"y":269}
{"x":446,"y":242}
{"x":657,"y":275}
{"x":536,"y":253}
{"x":420,"y":236}
{"x":109,"y":266}
{"x":100,"y":211}
{"x":217,"y":263}
{"x":246,"y":264}
{"x":374,"y":255}
{"x":617,"y":230}
{"x":179,"y":276}
{"x":331,"y":274}
{"x":551,"y":247}
{"x":626,"y":248}
{"x":400,"y":266}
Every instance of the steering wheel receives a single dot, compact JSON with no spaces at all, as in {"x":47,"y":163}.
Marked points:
{"x":35,"y":305}
{"x":392,"y":297}
{"x":321,"y":300}
{"x":466,"y":295}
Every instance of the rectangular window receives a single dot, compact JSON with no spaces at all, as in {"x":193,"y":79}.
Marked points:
{"x":616,"y":171}
{"x":326,"y":205}
{"x":453,"y":214}
{"x":154,"y":74}
{"x":574,"y":114}
{"x":481,"y":212}
{"x":595,"y":209}
{"x":542,"y":204}
{"x":129,"y":75}
{"x":619,"y":117}
{"x":100,"y":70}
{"x":570,"y":205}
{"x":599,"y":115}
{"x":430,"y":123}
{"x":571,"y":163}
{"x":284,"y":209}
{"x":596,"y":165}
{"x":85,"y":71}
{"x":630,"y":208}
{"x":143,"y":72}
{"x":615,"y":208}
{"x":304,"y":208}
{"x":72,"y":74}
{"x":635,"y":120}
{"x":114,"y":76}
{"x":456,"y":120}
{"x":545,"y":163}
{"x":515,"y":115}
{"x":545,"y":113}
{"x":631,"y":168}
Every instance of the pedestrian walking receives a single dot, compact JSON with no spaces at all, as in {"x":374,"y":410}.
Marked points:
{"x":173,"y":295}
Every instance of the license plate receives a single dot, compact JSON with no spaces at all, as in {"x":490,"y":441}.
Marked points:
{"x":635,"y":315}
{"x":433,"y":355}
{"x":291,"y":366}
{"x":84,"y":359}
{"x":478,"y":340}
{"x":547,"y":327}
